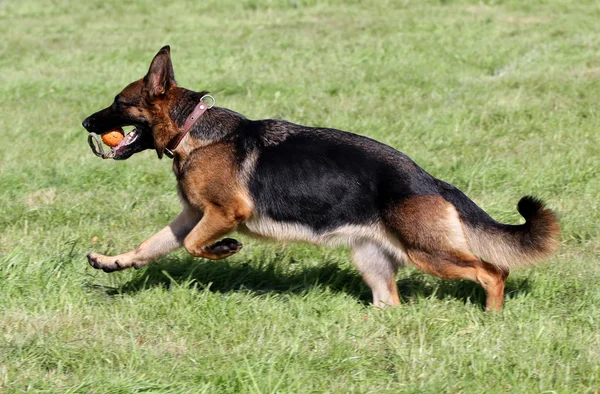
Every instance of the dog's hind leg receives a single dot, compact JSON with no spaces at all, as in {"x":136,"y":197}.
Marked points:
{"x":430,"y":229}
{"x":378,"y":269}
{"x":465,"y":266}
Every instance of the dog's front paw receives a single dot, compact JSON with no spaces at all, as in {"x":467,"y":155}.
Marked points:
{"x":221,"y":249}
{"x":227,"y":246}
{"x":108,"y":263}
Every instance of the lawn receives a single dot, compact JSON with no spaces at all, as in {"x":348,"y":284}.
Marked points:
{"x":499,"y":98}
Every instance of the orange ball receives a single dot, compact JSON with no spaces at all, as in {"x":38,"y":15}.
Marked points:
{"x":112,"y":138}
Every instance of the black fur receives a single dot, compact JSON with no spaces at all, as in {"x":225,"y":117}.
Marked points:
{"x":529,"y":207}
{"x":326,"y":178}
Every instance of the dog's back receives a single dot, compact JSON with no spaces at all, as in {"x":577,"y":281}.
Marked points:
{"x":325,"y":178}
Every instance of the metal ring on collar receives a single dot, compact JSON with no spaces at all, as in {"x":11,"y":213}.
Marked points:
{"x":211,"y":97}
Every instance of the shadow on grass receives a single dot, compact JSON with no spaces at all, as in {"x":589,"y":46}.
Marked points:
{"x":290,"y":277}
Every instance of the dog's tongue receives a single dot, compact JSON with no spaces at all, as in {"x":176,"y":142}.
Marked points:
{"x":129,"y":138}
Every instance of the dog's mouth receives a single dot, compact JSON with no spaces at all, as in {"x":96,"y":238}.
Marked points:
{"x":136,"y":140}
{"x":130,"y":138}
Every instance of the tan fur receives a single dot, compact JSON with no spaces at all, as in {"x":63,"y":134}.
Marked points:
{"x":216,"y":223}
{"x":429,"y":223}
{"x":503,"y":250}
{"x":394,"y":299}
{"x":164,"y":128}
{"x":431,"y":231}
{"x":212,"y":186}
{"x":247,"y":168}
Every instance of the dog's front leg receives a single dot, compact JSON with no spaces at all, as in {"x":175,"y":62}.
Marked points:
{"x":216,"y":222}
{"x":165,"y":241}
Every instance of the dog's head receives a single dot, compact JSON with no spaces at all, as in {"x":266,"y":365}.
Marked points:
{"x":144,"y":104}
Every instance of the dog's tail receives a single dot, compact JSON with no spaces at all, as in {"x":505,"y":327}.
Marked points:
{"x":503,"y":245}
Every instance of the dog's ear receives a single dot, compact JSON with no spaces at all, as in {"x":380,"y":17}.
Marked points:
{"x":160,"y":76}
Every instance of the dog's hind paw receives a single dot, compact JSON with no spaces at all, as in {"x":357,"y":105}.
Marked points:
{"x":221,"y":249}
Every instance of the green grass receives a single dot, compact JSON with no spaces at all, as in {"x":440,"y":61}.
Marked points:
{"x":499,"y":98}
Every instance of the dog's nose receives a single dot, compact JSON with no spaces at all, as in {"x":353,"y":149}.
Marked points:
{"x":86,"y":123}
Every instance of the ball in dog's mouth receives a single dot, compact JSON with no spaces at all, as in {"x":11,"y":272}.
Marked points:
{"x":112,"y":138}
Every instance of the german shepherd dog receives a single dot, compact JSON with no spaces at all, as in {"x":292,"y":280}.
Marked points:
{"x":278,"y":180}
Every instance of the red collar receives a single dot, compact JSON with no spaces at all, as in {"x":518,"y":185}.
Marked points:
{"x":200,"y":109}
